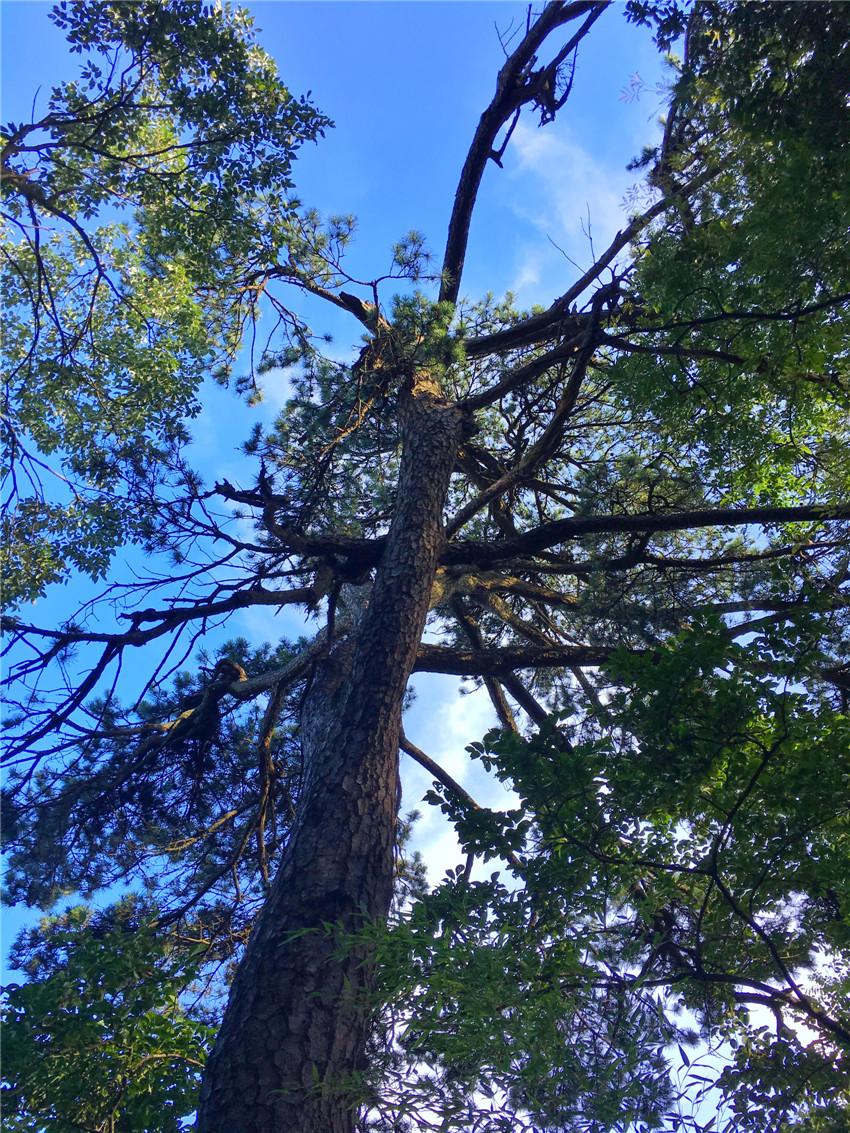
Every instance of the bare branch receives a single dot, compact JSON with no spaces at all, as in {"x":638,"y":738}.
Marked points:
{"x":517,"y":85}
{"x":562,"y":530}
{"x":502,"y":661}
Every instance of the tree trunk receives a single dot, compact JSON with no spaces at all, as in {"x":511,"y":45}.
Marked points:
{"x":293,"y":1037}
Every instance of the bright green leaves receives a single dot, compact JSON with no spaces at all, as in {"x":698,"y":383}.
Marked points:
{"x":411,"y":255}
{"x":752,"y":277}
{"x":97,"y":1037}
{"x":143,"y":209}
{"x":421,"y":334}
{"x":44,"y":541}
{"x":219,"y":97}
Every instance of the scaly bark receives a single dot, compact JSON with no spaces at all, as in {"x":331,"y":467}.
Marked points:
{"x":295,"y":1028}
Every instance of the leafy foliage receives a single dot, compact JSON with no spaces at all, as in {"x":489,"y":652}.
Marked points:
{"x":678,"y":859}
{"x":143,"y":209}
{"x":96,"y":1038}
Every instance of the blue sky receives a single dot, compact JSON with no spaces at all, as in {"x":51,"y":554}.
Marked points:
{"x":405,"y":83}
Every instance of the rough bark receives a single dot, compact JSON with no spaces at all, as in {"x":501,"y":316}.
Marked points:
{"x":295,"y":1028}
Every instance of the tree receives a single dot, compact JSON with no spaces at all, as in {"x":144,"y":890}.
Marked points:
{"x":625,"y":515}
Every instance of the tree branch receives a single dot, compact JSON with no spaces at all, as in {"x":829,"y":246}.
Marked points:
{"x":562,"y":530}
{"x":523,"y":375}
{"x":516,"y":85}
{"x":504,"y":660}
{"x":539,"y":328}
{"x":494,"y":687}
{"x":450,"y":784}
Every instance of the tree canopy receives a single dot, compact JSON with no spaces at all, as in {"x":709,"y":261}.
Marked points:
{"x":623,"y":514}
{"x":141,"y":210}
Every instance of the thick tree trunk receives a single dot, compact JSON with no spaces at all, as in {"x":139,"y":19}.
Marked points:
{"x":295,"y":1028}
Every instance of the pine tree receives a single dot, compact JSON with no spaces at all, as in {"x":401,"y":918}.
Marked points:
{"x":623,"y":514}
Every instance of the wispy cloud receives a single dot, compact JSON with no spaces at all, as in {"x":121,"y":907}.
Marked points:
{"x":572,"y":199}
{"x":571,"y":183}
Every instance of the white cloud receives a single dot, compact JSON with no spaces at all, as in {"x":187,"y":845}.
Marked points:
{"x":443,"y":723}
{"x":571,"y":197}
{"x":276,"y":388}
{"x":529,"y":273}
{"x":571,"y":182}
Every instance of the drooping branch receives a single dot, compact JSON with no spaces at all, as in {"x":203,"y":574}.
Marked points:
{"x":539,"y":452}
{"x":755,"y":314}
{"x":165,"y":621}
{"x":507,"y":577}
{"x":494,"y":687}
{"x":439,"y":773}
{"x":240,"y":600}
{"x":677,"y":350}
{"x":280,"y":678}
{"x":506,"y":680}
{"x":532,"y":707}
{"x":452,"y":786}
